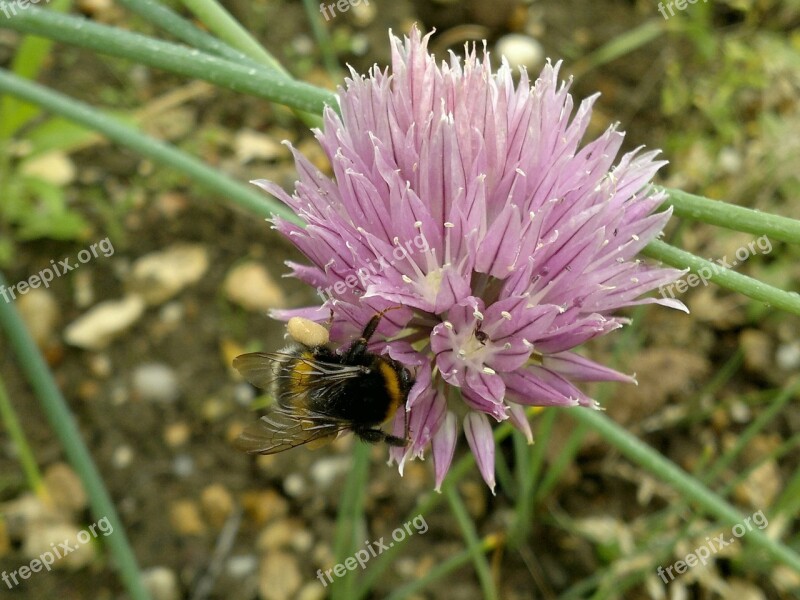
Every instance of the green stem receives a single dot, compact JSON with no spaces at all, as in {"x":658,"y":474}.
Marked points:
{"x":688,"y":486}
{"x":170,"y":21}
{"x":228,"y":29}
{"x":221,"y":22}
{"x":9,"y":416}
{"x":187,"y":32}
{"x":63,"y":423}
{"x":245,"y":196}
{"x":482,"y":568}
{"x":730,"y":216}
{"x":350,"y":517}
{"x":172,"y":57}
{"x":753,"y":288}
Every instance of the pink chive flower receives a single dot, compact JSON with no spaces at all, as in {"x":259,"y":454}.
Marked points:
{"x":469,"y":202}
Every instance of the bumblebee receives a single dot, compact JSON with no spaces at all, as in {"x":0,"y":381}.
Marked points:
{"x":319,"y":393}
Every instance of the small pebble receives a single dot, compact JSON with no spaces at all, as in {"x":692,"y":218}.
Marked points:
{"x":363,"y":12}
{"x":279,"y":577}
{"x":757,"y":348}
{"x":100,"y":365}
{"x":244,"y":393}
{"x":217,"y":504}
{"x":53,"y":167}
{"x":177,"y":434}
{"x":787,"y":357}
{"x":326,"y":470}
{"x":172,"y":313}
{"x":156,"y":382}
{"x":250,"y":145}
{"x":183,"y":465}
{"x":239,"y":567}
{"x":294,"y":485}
{"x":39,"y":538}
{"x":159,"y":276}
{"x":95,"y":329}
{"x":521,"y":51}
{"x":65,"y":487}
{"x":162,"y":583}
{"x":313,"y":590}
{"x":252,"y":287}
{"x":276,"y":535}
{"x":40,"y":311}
{"x":213,"y":409}
{"x":122,"y":456}
{"x":184,"y":515}
{"x":264,"y":506}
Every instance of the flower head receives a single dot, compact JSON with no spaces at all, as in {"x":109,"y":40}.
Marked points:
{"x":470,"y":202}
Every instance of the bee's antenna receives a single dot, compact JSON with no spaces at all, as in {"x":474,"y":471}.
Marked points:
{"x":369,"y":330}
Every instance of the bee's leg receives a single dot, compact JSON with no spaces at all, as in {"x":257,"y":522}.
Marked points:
{"x":359,"y":347}
{"x":373,"y":436}
{"x":395,"y":441}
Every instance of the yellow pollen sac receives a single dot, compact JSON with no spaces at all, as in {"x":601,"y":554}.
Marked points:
{"x":306,"y":331}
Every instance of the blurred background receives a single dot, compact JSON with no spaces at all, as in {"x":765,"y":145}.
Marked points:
{"x":171,"y":282}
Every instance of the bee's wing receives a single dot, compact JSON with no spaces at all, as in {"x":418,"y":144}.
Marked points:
{"x":259,"y":368}
{"x":285,"y":427}
{"x":262,"y":368}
